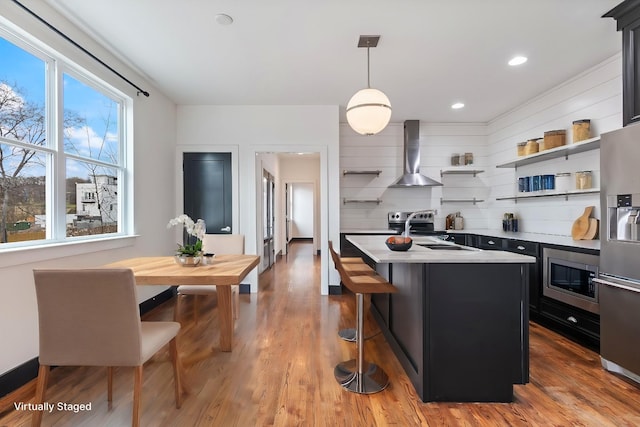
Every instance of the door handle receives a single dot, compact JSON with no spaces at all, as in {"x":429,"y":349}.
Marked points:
{"x":601,"y":281}
{"x":226,"y":229}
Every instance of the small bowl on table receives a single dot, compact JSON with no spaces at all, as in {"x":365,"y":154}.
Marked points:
{"x":399,"y":243}
{"x":207,"y":259}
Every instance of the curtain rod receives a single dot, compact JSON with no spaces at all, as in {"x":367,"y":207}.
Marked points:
{"x":67,"y":38}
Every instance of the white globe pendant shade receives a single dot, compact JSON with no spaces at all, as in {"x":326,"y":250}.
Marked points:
{"x":368,"y":111}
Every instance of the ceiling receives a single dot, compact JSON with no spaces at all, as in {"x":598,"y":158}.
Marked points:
{"x":431,"y":53}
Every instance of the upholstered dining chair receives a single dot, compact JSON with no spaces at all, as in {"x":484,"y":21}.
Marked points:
{"x":218,"y":244}
{"x":90,"y":317}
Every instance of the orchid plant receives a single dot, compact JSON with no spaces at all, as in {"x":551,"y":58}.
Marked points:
{"x":194,"y":229}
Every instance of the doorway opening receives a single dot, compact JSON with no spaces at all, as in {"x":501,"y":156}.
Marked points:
{"x":289,"y":203}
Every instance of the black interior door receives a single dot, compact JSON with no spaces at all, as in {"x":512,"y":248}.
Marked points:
{"x":207,"y":189}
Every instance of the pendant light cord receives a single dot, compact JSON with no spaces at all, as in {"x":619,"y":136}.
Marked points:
{"x":73,"y":42}
{"x":368,"y":72}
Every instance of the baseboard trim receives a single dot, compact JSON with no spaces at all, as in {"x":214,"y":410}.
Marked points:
{"x":301,"y":240}
{"x":153,"y":302}
{"x":335,"y":290}
{"x":14,"y":379}
{"x":11,"y":381}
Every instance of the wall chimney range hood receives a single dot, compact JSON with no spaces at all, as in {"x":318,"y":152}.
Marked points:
{"x":412,"y":176}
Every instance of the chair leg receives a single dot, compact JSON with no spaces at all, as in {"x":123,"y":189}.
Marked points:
{"x":175,"y":359}
{"x":236,"y":302}
{"x":41,"y":386}
{"x":176,"y":309}
{"x":137,"y":388}
{"x":110,"y":385}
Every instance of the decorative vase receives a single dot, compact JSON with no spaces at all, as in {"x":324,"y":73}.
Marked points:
{"x":188,"y":260}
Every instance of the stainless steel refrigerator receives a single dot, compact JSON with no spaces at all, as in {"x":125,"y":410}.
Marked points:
{"x":619,"y":275}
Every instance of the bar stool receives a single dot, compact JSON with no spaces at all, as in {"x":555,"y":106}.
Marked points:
{"x":357,"y":375}
{"x":353,"y":266}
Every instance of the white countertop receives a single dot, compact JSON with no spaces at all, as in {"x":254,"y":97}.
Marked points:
{"x":371,"y":231}
{"x":550,"y":239}
{"x":374,"y":246}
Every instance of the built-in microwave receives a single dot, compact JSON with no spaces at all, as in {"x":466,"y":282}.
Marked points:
{"x":568,"y":277}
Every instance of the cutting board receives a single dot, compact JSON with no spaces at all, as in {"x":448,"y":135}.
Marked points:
{"x":581,"y":225}
{"x":592,"y":232}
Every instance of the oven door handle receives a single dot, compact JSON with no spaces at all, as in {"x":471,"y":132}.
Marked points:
{"x":616,"y":285}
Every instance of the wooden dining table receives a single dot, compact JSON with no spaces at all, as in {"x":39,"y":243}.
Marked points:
{"x":224,"y":272}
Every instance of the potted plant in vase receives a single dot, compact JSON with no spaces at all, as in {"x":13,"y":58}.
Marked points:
{"x":190,"y":253}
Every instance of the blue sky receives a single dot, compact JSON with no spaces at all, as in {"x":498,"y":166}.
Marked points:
{"x":21,"y":68}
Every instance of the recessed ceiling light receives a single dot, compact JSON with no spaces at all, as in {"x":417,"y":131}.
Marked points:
{"x":457,"y":105}
{"x":517,"y":60}
{"x":224,"y":19}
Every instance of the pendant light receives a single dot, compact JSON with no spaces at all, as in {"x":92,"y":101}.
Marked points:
{"x":369,"y":110}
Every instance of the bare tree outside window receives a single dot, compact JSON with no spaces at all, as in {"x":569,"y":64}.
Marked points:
{"x":97,"y":139}
{"x":33,"y":164}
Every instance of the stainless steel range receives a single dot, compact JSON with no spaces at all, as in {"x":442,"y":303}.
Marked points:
{"x":421,"y":224}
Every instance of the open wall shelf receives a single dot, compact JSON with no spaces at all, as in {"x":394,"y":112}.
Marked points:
{"x":565,"y":194}
{"x":363,"y":172}
{"x":553,"y":153}
{"x":376,"y":201}
{"x":473,"y":172}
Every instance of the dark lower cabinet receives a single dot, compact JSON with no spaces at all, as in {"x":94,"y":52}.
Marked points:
{"x":460,"y":239}
{"x":574,"y":323}
{"x":531,"y":249}
{"x":522,"y":247}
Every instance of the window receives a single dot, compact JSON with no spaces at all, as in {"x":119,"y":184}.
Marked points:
{"x":62,"y":145}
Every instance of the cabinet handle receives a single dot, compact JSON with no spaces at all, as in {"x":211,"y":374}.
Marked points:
{"x":572,"y":320}
{"x":491,"y":242}
{"x":520,"y":248}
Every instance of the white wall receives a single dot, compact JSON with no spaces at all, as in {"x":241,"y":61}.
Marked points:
{"x":595,"y":94}
{"x":154,"y":138}
{"x":384,"y":152}
{"x":303,"y":170}
{"x":259,"y":129}
{"x":302,"y":210}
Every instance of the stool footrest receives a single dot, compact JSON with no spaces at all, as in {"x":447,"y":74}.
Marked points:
{"x":349,"y":334}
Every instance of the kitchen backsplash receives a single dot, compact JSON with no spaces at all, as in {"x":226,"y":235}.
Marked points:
{"x":594,"y":94}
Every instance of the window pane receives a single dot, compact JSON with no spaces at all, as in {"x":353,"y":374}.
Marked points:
{"x":90,"y":122}
{"x":22,"y":194}
{"x":22,"y":95}
{"x":92,"y":199}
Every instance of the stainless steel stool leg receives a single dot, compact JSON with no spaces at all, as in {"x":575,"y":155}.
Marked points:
{"x":349,"y":334}
{"x":357,"y":375}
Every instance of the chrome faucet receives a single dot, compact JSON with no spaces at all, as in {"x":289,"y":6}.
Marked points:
{"x":407,"y":226}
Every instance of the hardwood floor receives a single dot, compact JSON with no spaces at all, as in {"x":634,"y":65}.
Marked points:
{"x":280,"y":373}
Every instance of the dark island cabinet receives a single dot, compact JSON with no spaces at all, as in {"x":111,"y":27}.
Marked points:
{"x":627,"y":16}
{"x":521,"y":247}
{"x":460,"y":334}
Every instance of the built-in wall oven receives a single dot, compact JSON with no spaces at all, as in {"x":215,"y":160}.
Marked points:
{"x":568,"y":277}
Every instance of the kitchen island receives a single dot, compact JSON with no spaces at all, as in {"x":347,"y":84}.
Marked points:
{"x":459,"y":322}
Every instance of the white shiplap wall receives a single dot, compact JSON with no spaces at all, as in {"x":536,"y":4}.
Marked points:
{"x":384,"y":152}
{"x":596,"y":94}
